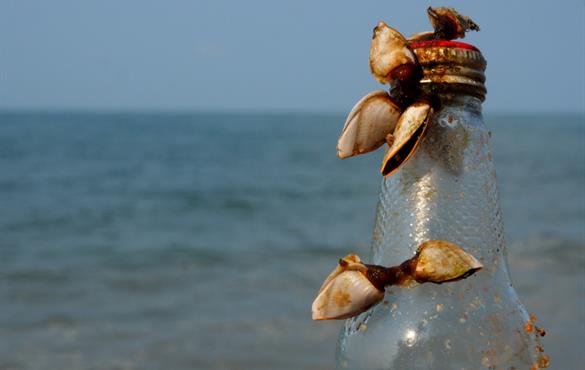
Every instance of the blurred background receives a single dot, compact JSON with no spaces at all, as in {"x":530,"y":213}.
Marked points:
{"x":170,"y":195}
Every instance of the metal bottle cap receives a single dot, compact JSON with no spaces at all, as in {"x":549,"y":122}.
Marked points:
{"x":451,"y":65}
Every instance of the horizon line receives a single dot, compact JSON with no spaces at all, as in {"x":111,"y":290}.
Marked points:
{"x":276,"y":111}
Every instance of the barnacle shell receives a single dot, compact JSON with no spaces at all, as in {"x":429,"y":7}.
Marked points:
{"x":349,"y":262}
{"x":348,"y":295}
{"x":457,"y":22}
{"x":368,"y":124}
{"x":346,"y":292}
{"x":388,"y":51}
{"x":409,"y":130}
{"x":439,"y":261}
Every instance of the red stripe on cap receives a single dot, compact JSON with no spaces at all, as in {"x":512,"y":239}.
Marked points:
{"x":443,"y":44}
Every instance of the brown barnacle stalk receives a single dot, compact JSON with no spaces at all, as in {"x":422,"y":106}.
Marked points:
{"x":353,"y":287}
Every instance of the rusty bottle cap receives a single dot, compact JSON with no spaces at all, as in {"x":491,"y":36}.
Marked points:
{"x":451,"y":66}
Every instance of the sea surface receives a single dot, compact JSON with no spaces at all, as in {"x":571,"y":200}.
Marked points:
{"x":198,"y":241}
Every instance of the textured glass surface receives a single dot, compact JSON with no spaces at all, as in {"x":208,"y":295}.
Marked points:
{"x":446,"y":190}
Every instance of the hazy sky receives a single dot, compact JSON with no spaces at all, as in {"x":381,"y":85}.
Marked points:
{"x":276,"y":55}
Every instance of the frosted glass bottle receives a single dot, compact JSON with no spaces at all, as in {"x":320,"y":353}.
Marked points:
{"x":446,"y":190}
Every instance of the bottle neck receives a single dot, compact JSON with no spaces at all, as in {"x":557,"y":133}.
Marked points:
{"x":446,"y":190}
{"x":465,"y":103}
{"x":465,"y":97}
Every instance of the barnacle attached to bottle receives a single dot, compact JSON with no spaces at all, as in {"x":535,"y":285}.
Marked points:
{"x":438,"y":193}
{"x":346,"y":292}
{"x":368,"y":124}
{"x":400,"y":118}
{"x":354,"y":287}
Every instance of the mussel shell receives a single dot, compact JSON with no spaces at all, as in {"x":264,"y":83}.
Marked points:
{"x":388,"y":51}
{"x":409,"y":130}
{"x":440,"y":261}
{"x":368,"y":124}
{"x":348,"y":294}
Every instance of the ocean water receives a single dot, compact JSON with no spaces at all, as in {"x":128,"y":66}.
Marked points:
{"x":198,"y":241}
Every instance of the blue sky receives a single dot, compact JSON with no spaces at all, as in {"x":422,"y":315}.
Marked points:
{"x":267,"y":55}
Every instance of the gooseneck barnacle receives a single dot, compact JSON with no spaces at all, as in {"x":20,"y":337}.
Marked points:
{"x":353,"y":287}
{"x":399,"y":118}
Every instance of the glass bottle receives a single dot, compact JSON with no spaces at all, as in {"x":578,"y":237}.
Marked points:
{"x":446,"y":190}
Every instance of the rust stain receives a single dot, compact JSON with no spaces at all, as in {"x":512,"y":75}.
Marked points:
{"x":529,"y":324}
{"x":543,"y":361}
{"x":530,"y":327}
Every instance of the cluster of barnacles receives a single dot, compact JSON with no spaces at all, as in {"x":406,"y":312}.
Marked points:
{"x":353,"y":287}
{"x":400,"y":119}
